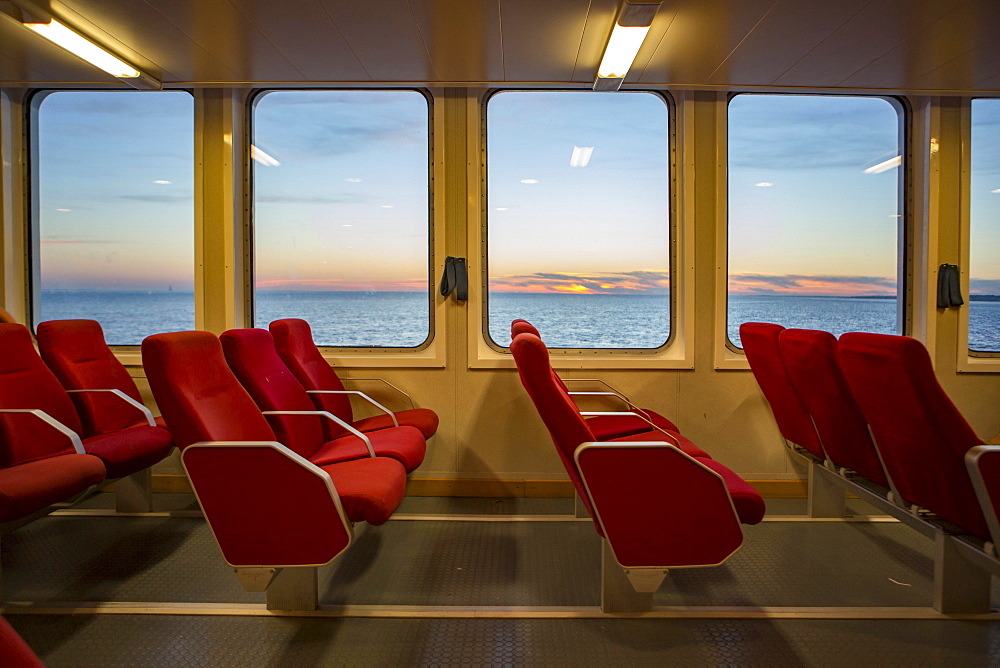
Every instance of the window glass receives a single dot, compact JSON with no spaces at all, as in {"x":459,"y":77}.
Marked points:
{"x":341,"y":214}
{"x":984,"y":221}
{"x":814,"y":212}
{"x":578,"y":215}
{"x":115,"y":210}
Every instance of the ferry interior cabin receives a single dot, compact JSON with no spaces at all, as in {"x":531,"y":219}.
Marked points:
{"x":499,"y":332}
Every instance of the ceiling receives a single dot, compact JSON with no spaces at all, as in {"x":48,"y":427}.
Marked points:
{"x":905,"y":45}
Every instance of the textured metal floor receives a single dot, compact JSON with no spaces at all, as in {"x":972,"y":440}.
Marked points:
{"x":67,"y":559}
{"x":94,"y":640}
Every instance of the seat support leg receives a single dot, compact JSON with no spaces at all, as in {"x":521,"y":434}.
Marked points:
{"x":134,"y":493}
{"x":617,"y":592}
{"x":293,"y":588}
{"x":827,"y":497}
{"x":959,"y":585}
{"x":579,"y":510}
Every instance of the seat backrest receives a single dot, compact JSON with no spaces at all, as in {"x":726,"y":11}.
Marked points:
{"x":810,"y":358}
{"x":198,"y":395}
{"x":294,"y":342}
{"x":760,"y":343}
{"x":557,"y":410}
{"x":25,"y":382}
{"x":76,"y":352}
{"x":251,"y":355}
{"x":522,"y":326}
{"x":920,"y":434}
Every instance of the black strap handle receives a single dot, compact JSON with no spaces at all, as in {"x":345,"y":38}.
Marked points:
{"x":949,"y":286}
{"x":455,"y":278}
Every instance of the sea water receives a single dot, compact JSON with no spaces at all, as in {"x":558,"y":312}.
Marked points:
{"x":402,"y":319}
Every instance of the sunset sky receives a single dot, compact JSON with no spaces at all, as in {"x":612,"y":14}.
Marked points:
{"x":577,"y":192}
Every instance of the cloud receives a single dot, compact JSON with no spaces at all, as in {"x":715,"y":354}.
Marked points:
{"x":342,"y":284}
{"x":310,"y":199}
{"x":612,"y":283}
{"x":984,"y":286}
{"x":160,"y":199}
{"x":804,"y":132}
{"x":801,"y":284}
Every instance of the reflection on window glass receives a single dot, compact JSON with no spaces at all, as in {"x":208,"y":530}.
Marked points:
{"x":579,"y":217}
{"x":115,"y":210}
{"x":814,"y":212}
{"x":984,"y":221}
{"x":341,"y":229}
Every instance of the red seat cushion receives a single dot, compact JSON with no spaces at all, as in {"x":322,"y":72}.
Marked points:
{"x":686,"y":445}
{"x":422,"y":419}
{"x":27,"y":488}
{"x":748,"y":502}
{"x":404,"y":444}
{"x":610,"y":427}
{"x":370,"y":489}
{"x":130,"y":450}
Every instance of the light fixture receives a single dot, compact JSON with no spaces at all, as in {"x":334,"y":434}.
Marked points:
{"x":627,"y":35}
{"x":41,"y":22}
{"x":885,"y":166}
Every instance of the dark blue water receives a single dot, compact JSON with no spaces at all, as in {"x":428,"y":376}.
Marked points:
{"x":402,"y":319}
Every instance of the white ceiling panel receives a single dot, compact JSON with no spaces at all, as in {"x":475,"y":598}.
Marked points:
{"x":307,"y":38}
{"x":463,"y":39}
{"x":701,"y":37}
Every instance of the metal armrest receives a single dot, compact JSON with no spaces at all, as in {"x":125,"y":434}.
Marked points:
{"x":384,"y":381}
{"x":601,"y":394}
{"x":54,"y":423}
{"x":983,"y":463}
{"x":673,"y":439}
{"x":368,"y":443}
{"x":363,"y":396}
{"x":127,"y":399}
{"x":599,"y":382}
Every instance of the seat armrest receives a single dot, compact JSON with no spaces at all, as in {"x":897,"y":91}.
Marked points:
{"x":599,"y":382}
{"x":983,"y":463}
{"x":363,"y":437}
{"x":266,"y":505}
{"x":127,"y":399}
{"x":652,"y":427}
{"x":363,"y":396}
{"x":73,"y":437}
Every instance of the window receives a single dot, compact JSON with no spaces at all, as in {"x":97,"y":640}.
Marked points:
{"x":814,"y":212}
{"x":578,"y":211}
{"x":114,"y":204}
{"x":341,"y":214}
{"x":984,"y":224}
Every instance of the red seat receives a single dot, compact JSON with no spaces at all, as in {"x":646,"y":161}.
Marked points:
{"x":76,"y":352}
{"x":294,"y":343}
{"x":608,"y":427}
{"x":810,"y":359}
{"x":203,"y":402}
{"x":760,"y":344}
{"x":39,"y":465}
{"x":251,"y":355}
{"x":922,"y":438}
{"x":14,"y":652}
{"x":630,"y":488}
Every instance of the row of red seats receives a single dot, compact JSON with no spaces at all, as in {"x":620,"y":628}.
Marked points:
{"x":69,"y":422}
{"x":870,"y":406}
{"x":657,"y":499}
{"x":281,"y":496}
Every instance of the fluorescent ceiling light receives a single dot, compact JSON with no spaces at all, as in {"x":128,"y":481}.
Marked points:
{"x":621,"y":51}
{"x":626,"y":38}
{"x":59,"y":34}
{"x":885,"y":166}
{"x":581,"y":156}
